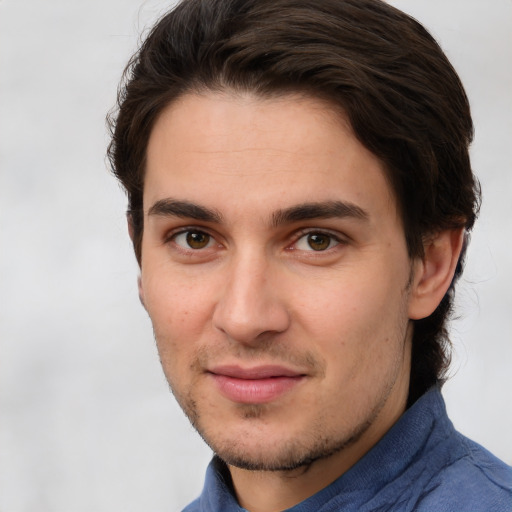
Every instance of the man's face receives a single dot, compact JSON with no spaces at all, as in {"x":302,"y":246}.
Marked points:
{"x":275,"y":272}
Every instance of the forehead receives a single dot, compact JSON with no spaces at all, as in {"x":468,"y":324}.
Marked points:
{"x":237,"y":151}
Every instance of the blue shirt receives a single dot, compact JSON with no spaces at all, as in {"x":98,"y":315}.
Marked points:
{"x":422,"y":464}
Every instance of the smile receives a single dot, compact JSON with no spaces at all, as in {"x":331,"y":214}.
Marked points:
{"x":255,"y":385}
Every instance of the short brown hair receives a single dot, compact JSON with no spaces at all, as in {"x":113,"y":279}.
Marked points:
{"x":403,"y":99}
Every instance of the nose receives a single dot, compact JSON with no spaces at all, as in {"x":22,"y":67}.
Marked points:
{"x":250,"y":307}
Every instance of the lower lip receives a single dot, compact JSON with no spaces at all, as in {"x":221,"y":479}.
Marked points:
{"x":255,"y":391}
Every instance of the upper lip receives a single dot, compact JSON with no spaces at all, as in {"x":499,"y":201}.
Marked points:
{"x":257,"y":372}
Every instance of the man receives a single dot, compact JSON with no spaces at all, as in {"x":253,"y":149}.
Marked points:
{"x":300,"y":194}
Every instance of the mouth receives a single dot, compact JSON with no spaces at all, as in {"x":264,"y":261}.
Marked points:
{"x":257,"y":385}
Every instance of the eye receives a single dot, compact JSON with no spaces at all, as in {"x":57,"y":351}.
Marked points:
{"x":316,"y":242}
{"x":193,"y":240}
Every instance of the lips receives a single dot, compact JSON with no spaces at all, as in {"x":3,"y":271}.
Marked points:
{"x":256,"y":385}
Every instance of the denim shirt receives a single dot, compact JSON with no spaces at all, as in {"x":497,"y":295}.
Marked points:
{"x":422,"y":464}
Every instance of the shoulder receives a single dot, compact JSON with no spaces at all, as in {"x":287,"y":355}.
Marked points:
{"x":476,"y":481}
{"x":193,"y":507}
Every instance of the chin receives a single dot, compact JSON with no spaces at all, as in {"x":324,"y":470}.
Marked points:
{"x":254,"y":452}
{"x":282,"y":461}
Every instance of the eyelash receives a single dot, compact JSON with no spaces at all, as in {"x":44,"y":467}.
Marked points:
{"x":171,"y":238}
{"x":325,"y":233}
{"x":334,"y":240}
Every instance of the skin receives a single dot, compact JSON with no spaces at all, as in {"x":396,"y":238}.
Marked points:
{"x":235,"y":275}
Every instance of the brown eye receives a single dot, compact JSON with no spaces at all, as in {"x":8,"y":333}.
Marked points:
{"x":193,"y":240}
{"x":316,"y":241}
{"x":319,"y":241}
{"x":197,"y":240}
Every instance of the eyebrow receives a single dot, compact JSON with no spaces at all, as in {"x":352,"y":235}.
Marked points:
{"x":321,"y":210}
{"x":185,"y":209}
{"x":306,"y":211}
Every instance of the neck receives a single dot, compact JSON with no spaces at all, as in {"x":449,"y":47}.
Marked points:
{"x":274,"y":491}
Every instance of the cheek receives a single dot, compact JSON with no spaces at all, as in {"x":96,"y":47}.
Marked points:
{"x":344,"y":304}
{"x":173,"y":299}
{"x":355,"y":322}
{"x":179,"y":313}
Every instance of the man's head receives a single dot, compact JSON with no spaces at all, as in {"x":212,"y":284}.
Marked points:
{"x":244,"y":74}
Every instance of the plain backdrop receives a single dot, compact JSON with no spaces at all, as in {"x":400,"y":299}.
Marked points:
{"x":87,"y":423}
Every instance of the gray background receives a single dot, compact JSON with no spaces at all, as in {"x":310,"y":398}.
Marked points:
{"x":86,"y":419}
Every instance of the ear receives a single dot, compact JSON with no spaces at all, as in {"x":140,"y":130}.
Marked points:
{"x":129,"y":221}
{"x":433,"y":273}
{"x":141,"y":291}
{"x":139,"y":280}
